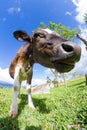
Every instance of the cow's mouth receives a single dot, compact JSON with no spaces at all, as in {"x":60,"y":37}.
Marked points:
{"x":63,"y":66}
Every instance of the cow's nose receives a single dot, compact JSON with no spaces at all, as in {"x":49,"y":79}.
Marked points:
{"x":67,"y":48}
{"x":71,"y":49}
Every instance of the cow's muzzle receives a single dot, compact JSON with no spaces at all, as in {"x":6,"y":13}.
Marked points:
{"x":65,"y":56}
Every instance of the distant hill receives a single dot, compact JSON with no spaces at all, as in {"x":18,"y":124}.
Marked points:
{"x":5,"y":84}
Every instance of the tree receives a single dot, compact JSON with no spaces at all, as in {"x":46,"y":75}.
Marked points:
{"x":66,"y":33}
{"x":82,"y":39}
{"x":85,"y":18}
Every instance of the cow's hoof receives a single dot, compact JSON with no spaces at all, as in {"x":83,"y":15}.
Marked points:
{"x":13,"y":111}
{"x":12,"y":114}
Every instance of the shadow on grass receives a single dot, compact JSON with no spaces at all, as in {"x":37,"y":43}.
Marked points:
{"x":40,"y":103}
{"x":23,"y":102}
{"x":33,"y":128}
{"x":9,"y":123}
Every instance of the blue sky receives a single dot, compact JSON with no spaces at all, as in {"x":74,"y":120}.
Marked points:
{"x":27,"y":15}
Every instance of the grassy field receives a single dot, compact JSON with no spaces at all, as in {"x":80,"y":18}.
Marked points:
{"x":64,"y":106}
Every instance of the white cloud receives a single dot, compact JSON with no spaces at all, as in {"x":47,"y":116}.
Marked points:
{"x":15,"y":8}
{"x":12,"y":10}
{"x":83,"y":30}
{"x":82,"y":65}
{"x":47,"y":71}
{"x":35,"y":81}
{"x":68,"y":13}
{"x":81,"y":9}
{"x":76,"y":2}
{"x":4,"y":75}
{"x":38,"y":81}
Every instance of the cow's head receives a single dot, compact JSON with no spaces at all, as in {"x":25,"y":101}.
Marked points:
{"x":51,"y":50}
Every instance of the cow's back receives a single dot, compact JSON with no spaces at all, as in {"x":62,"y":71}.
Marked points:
{"x":22,"y":54}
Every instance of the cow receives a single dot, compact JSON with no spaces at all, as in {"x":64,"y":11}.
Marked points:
{"x":43,"y":88}
{"x":45,"y":47}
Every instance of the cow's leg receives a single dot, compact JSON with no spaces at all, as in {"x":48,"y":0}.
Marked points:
{"x":14,"y":106}
{"x":28,"y":87}
{"x":30,"y":101}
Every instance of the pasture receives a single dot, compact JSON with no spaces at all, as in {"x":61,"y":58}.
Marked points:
{"x":63,"y":107}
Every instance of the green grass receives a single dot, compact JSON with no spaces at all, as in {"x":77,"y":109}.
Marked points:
{"x":54,"y":111}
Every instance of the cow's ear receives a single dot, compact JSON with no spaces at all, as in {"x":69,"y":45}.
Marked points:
{"x":22,"y":36}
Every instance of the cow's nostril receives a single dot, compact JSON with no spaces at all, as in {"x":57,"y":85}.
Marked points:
{"x":49,"y":43}
{"x":67,"y":48}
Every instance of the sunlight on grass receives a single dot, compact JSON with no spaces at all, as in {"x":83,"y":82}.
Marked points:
{"x":55,"y":111}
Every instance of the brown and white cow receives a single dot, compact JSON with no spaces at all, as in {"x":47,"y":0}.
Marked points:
{"x":43,"y":88}
{"x":46,"y":48}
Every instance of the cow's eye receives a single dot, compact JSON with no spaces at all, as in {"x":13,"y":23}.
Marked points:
{"x":36,"y":35}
